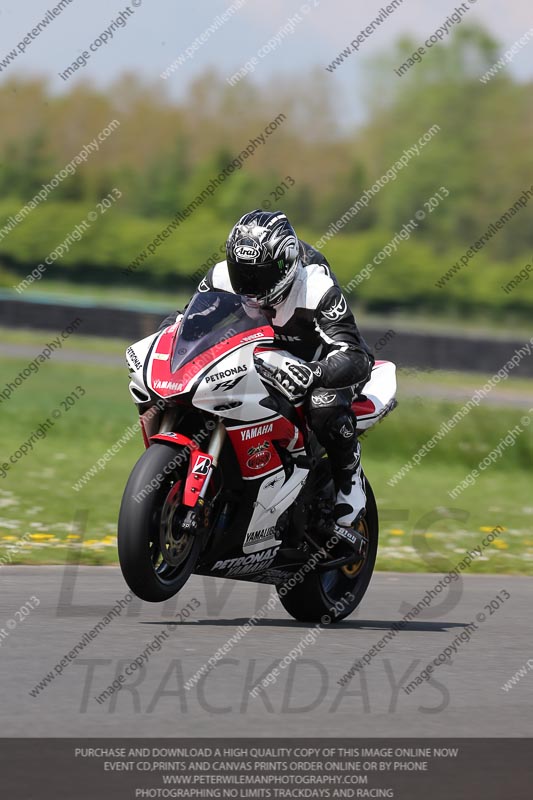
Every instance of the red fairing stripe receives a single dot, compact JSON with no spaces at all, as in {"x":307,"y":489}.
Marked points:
{"x":159,"y":370}
{"x":175,"y":438}
{"x":199,"y":468}
{"x":176,"y":382}
{"x":363,"y":407}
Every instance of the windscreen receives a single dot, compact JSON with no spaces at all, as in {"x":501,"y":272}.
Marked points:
{"x":210,"y":318}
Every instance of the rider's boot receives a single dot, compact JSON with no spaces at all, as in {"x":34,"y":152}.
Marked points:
{"x":351,"y":498}
{"x":350,"y":502}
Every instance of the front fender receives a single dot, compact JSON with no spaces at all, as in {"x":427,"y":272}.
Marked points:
{"x":175,"y":438}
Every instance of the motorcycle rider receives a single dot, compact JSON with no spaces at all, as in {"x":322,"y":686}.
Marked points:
{"x":293,"y":284}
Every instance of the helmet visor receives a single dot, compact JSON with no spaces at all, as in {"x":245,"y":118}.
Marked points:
{"x":255,"y":280}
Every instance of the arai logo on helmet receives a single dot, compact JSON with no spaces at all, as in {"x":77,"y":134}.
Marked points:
{"x":247,"y":252}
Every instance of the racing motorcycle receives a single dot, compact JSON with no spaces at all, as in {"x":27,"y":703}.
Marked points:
{"x":232,"y":483}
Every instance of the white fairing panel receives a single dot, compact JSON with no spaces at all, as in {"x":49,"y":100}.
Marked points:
{"x":232,"y":388}
{"x":273,"y":499}
{"x":135,"y":359}
{"x":380,"y":391}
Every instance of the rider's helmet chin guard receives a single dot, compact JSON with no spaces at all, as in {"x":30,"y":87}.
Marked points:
{"x":262,"y":254}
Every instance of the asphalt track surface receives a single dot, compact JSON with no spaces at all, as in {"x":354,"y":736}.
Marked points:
{"x":464,"y":697}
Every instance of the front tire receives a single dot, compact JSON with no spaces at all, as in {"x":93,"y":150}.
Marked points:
{"x":329,"y":596}
{"x":156,"y":557}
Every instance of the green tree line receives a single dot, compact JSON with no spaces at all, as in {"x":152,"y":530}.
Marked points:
{"x":163,"y":154}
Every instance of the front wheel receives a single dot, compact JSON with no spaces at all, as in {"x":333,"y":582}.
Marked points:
{"x":156,"y":556}
{"x":331,"y":595}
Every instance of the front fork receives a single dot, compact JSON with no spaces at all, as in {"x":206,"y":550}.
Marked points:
{"x":214,"y":450}
{"x":160,"y":426}
{"x":201,"y":466}
{"x":200,"y":472}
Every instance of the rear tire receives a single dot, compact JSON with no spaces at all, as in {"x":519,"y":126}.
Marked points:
{"x":145,"y":525}
{"x":322,"y":595}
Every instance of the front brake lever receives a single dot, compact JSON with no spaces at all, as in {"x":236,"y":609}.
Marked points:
{"x":264,"y":370}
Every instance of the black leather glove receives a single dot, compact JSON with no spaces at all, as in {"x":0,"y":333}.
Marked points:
{"x":293,"y":379}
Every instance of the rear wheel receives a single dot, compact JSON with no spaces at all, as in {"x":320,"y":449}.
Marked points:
{"x":156,"y":556}
{"x":331,"y":595}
